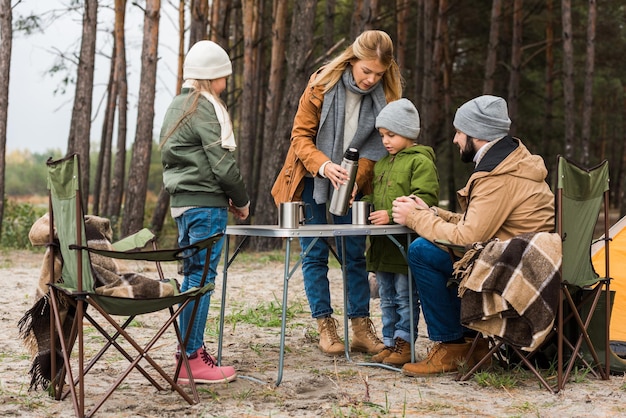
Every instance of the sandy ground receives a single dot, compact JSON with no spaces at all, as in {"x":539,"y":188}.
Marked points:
{"x":313,"y":384}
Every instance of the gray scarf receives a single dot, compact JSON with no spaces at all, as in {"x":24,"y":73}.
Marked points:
{"x":330,"y":133}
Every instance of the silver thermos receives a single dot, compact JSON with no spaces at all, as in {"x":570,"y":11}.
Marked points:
{"x":341,"y":197}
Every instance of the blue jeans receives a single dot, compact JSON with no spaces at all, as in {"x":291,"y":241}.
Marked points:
{"x":315,"y":263}
{"x":395,"y":307}
{"x":431,"y":268}
{"x":193,"y":226}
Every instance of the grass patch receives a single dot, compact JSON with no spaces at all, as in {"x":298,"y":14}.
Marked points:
{"x":267,"y":314}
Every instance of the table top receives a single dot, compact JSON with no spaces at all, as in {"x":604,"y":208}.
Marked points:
{"x":329,"y":230}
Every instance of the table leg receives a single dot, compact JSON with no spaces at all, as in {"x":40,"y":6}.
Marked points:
{"x":283,"y":322}
{"x":344,"y":276}
{"x":220,"y":337}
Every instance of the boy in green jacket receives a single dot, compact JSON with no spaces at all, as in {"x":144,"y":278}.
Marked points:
{"x":408,"y":170}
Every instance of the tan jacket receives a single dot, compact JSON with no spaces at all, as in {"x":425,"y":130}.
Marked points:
{"x":304,"y":157}
{"x":511,"y":199}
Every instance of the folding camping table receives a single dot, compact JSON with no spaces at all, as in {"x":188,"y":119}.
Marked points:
{"x":312,"y":231}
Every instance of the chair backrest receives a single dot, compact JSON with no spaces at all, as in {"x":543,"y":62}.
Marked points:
{"x":580,"y":195}
{"x":67,"y":217}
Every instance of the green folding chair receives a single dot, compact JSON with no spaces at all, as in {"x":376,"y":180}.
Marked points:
{"x":581,"y":194}
{"x":76,"y":290}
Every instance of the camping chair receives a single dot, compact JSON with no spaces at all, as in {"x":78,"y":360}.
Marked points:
{"x":76,"y":292}
{"x":579,"y":195}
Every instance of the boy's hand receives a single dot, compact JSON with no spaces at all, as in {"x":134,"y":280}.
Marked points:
{"x":379,"y":217}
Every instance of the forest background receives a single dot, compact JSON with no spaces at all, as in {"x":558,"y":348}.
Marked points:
{"x":559,"y":64}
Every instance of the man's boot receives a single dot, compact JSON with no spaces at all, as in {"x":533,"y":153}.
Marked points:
{"x":401,"y":354}
{"x":364,"y":337}
{"x":442,"y":358}
{"x":330,"y":343}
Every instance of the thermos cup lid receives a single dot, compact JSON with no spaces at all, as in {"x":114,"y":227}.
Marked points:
{"x":351,"y":154}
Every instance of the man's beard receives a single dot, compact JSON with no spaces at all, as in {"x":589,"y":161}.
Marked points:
{"x":469,"y":151}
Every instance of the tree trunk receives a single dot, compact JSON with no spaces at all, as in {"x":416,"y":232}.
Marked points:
{"x":301,"y":43}
{"x":199,"y":21}
{"x":329,"y":22}
{"x":102,"y":180}
{"x":568,"y":77}
{"x":114,"y":201}
{"x":588,"y":89}
{"x":492,"y":47}
{"x":402,"y":40}
{"x":418,"y":73}
{"x":516,"y":62}
{"x":549,"y":85}
{"x":427,"y":99}
{"x":80,"y":125}
{"x":135,"y":201}
{"x":248,"y":138}
{"x":181,"y":46}
{"x":6,"y":43}
{"x":160,"y":211}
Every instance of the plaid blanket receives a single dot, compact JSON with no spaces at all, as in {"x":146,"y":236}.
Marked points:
{"x":112,"y":278}
{"x":513,"y":289}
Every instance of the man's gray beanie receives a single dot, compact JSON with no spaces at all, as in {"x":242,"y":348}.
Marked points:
{"x":400,"y":117}
{"x":485,"y":117}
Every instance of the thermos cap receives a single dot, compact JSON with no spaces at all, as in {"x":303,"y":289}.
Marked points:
{"x":351,"y":154}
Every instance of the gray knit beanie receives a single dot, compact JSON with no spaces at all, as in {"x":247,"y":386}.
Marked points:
{"x":206,"y":60}
{"x":485,"y":117}
{"x":400,"y":117}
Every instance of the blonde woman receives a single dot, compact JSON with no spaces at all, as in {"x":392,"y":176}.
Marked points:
{"x":338,"y":110}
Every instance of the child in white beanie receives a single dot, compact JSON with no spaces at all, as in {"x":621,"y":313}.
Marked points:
{"x":408,"y":170}
{"x":204,"y":182}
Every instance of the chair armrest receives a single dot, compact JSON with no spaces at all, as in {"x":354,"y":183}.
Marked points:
{"x":171,"y":254}
{"x":136,"y":241}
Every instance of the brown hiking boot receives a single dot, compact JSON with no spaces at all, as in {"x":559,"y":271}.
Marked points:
{"x":330,"y":343}
{"x":364,"y":337}
{"x":378,"y":358}
{"x":442,"y":358}
{"x":401,"y":354}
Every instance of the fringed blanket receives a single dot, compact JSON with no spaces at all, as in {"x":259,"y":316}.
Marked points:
{"x":111,"y":278}
{"x":513,"y":289}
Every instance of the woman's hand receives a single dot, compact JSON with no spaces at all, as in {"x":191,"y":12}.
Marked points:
{"x":336,"y":174}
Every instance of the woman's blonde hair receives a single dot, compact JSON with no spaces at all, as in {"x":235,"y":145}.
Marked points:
{"x":199,"y":86}
{"x":369,"y":45}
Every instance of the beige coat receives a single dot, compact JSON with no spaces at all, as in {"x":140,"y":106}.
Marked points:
{"x":509,"y":200}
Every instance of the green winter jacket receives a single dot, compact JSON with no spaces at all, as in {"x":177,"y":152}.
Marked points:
{"x":410,"y":171}
{"x":197,"y":171}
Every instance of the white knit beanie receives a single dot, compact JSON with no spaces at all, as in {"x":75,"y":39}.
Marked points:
{"x":400,"y":117}
{"x":485,"y":117}
{"x":206,"y":60}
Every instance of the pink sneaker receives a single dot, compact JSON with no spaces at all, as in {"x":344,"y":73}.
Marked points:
{"x":205,"y":370}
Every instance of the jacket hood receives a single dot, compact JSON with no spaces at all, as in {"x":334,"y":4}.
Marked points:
{"x":518,"y":163}
{"x":420,"y":149}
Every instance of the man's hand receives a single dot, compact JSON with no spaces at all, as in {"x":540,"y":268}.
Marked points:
{"x":403,"y":205}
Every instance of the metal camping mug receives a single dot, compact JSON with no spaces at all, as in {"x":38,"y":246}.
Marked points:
{"x":361,"y":213}
{"x":291,"y":215}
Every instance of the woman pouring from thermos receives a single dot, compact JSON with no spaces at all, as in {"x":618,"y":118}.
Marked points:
{"x":337,"y":111}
